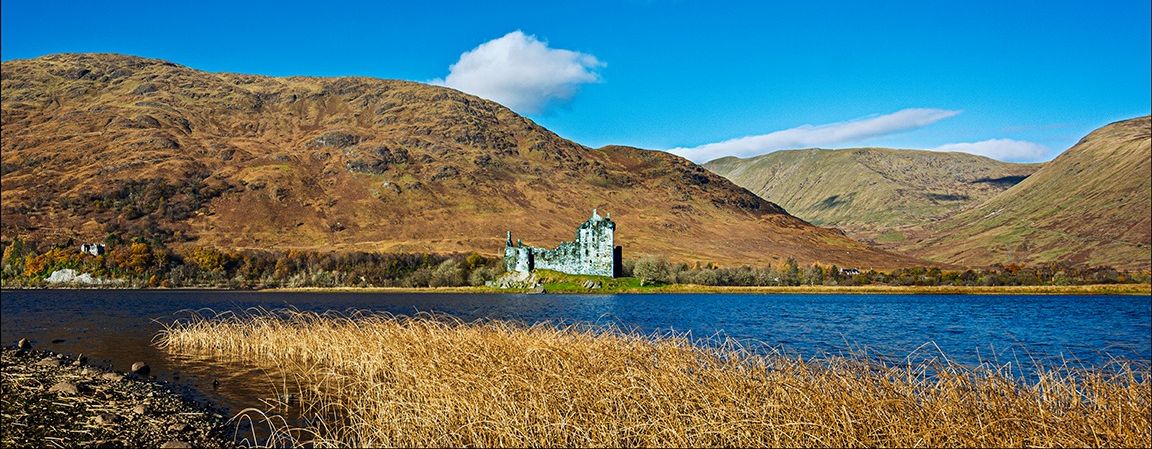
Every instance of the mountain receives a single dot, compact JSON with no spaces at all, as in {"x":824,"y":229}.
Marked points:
{"x":1092,"y":204}
{"x":875,"y":194}
{"x":97,"y":144}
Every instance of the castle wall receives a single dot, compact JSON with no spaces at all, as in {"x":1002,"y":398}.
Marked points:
{"x":518,"y":258}
{"x":592,"y":253}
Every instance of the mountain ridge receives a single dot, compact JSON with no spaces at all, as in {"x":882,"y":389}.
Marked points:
{"x":111,"y":144}
{"x":872,"y":193}
{"x":1092,"y":204}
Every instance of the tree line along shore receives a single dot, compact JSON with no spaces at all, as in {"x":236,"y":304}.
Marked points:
{"x":144,"y":264}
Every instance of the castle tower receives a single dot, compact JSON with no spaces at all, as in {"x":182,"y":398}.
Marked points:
{"x":594,"y":252}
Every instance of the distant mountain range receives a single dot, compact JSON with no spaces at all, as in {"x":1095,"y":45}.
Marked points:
{"x":97,"y":144}
{"x":1089,"y":205}
{"x":875,"y":194}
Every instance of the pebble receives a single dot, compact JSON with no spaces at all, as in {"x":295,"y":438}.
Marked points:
{"x":180,"y":427}
{"x":23,"y":344}
{"x":49,"y":361}
{"x":141,"y":368}
{"x":81,"y":360}
{"x":112,"y":377}
{"x":106,"y":419}
{"x":140,"y":409}
{"x":64,"y":388}
{"x":175,"y":444}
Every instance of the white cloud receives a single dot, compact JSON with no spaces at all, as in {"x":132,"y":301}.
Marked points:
{"x":817,"y":135}
{"x":521,"y":72}
{"x":1000,"y":149}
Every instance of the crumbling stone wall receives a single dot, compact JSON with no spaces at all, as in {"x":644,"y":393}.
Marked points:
{"x":592,"y":253}
{"x":517,"y":258}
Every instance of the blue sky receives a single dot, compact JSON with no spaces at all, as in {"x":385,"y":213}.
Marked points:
{"x":1018,"y":80}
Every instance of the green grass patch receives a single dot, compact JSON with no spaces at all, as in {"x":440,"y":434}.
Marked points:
{"x":557,"y":282}
{"x":890,"y":237}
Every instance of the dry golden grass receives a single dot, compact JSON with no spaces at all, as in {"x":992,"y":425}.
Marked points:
{"x":379,"y":380}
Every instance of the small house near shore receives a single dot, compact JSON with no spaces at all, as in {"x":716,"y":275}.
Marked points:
{"x":94,"y":249}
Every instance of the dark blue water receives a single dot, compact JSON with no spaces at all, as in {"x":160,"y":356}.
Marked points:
{"x":117,"y":326}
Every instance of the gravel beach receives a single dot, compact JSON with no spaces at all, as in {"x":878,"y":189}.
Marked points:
{"x":55,"y":400}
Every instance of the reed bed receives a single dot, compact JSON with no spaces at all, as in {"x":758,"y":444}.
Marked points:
{"x":366,"y":380}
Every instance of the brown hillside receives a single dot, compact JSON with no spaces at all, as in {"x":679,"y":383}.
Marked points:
{"x":1092,"y":204}
{"x":877,"y":194}
{"x":99,"y":144}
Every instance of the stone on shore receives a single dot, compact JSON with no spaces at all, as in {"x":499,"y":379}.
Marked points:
{"x":141,"y":369}
{"x":517,"y":279}
{"x":64,"y":388}
{"x":86,"y":406}
{"x":112,"y":377}
{"x":70,"y":276}
{"x":106,"y":419}
{"x":23,"y":344}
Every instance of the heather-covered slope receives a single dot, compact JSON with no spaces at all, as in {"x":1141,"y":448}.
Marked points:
{"x":100,"y":144}
{"x":1092,"y":204}
{"x":872,"y":193}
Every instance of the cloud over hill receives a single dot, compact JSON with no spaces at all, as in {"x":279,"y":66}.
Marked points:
{"x":807,"y":136}
{"x":522,"y":72}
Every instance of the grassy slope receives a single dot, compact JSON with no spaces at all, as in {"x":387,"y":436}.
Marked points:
{"x":1092,"y":204}
{"x":94,"y":144}
{"x":872,"y":193}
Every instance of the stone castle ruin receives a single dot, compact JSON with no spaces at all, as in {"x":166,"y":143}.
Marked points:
{"x":593,"y":253}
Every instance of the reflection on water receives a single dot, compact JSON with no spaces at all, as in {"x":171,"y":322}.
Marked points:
{"x":116,"y":328}
{"x":232,"y":379}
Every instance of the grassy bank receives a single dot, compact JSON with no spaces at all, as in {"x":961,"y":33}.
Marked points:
{"x":378,"y":380}
{"x":631,"y":285}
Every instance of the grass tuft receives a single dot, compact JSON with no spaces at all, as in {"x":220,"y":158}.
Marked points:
{"x":368,"y":380}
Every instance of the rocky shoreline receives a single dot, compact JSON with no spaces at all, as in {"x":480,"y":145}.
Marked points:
{"x":53,"y":400}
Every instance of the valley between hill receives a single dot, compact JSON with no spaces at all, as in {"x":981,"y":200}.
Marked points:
{"x":876,"y":194}
{"x":1091,"y":205}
